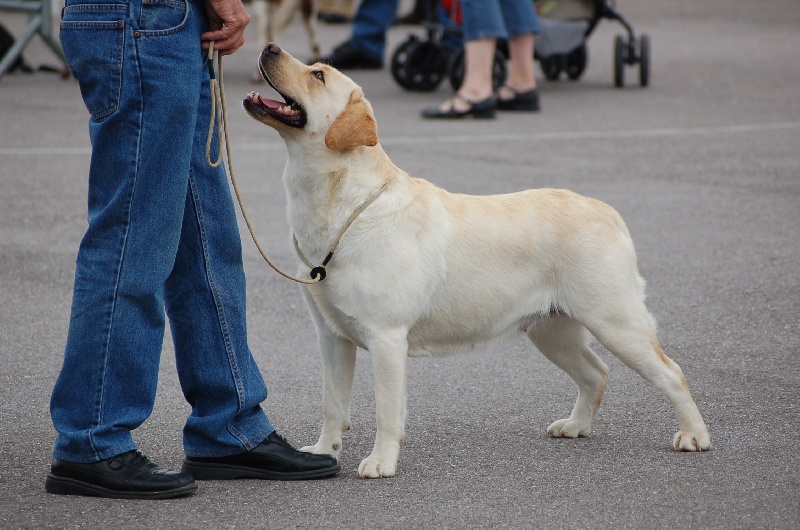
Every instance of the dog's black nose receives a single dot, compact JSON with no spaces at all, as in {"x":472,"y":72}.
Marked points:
{"x":273,"y":48}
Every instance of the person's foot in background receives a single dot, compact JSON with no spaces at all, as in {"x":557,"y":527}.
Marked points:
{"x":347,"y":56}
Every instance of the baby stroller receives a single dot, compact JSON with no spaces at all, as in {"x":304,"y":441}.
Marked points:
{"x":565,"y":26}
{"x":421,"y":65}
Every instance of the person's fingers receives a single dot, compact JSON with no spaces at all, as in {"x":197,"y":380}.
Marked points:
{"x":227,"y":29}
{"x":224,"y":42}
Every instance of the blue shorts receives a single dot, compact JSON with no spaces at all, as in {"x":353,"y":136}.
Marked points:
{"x":498,"y":19}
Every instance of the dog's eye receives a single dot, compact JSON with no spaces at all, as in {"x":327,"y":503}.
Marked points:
{"x":319,"y":75}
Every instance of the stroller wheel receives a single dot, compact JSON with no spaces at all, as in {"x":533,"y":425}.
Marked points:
{"x":551,"y":67}
{"x":457,"y":69}
{"x":620,"y":58}
{"x":644,"y":60}
{"x":576,"y":62}
{"x":400,"y":59}
{"x":419,"y":65}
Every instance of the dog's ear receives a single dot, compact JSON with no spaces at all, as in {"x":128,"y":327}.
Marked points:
{"x":355,"y":126}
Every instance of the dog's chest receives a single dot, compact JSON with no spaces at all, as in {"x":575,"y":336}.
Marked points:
{"x":334,"y":311}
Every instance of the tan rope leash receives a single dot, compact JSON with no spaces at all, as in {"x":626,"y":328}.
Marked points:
{"x":219,"y":116}
{"x":320,"y":270}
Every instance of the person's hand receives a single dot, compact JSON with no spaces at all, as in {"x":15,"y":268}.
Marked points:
{"x":228,"y":20}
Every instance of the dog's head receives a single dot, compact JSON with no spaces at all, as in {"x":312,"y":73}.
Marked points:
{"x":319,"y":102}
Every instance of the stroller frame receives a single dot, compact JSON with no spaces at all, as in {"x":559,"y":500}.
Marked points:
{"x":627,"y":51}
{"x":421,"y":65}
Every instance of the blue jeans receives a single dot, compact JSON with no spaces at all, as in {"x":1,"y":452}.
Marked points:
{"x":162,"y":238}
{"x":370,"y":24}
{"x":498,"y":19}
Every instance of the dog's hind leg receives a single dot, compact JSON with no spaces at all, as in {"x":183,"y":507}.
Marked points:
{"x":390,"y":367}
{"x":565,"y":342}
{"x":627,"y":330}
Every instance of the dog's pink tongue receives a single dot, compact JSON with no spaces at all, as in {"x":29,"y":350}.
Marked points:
{"x":255,"y":97}
{"x":271,"y":103}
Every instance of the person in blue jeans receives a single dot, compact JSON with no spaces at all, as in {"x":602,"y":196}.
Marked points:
{"x":162,"y":238}
{"x":485,"y":21}
{"x":366,"y":47}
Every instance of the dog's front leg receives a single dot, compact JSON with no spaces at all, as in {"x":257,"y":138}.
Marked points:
{"x":390,"y":367}
{"x":309,"y":10}
{"x":338,"y":370}
{"x":261,"y":23}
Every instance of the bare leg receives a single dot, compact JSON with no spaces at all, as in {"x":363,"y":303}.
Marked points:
{"x":521,"y":76}
{"x":477,"y":83}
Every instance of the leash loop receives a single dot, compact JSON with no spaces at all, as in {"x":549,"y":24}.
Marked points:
{"x":217,"y":103}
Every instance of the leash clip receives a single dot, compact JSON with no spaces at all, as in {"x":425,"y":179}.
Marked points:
{"x":318,"y":271}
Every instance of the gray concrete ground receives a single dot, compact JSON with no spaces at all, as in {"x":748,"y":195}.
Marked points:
{"x":705,"y":167}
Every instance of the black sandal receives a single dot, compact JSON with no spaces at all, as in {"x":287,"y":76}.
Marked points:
{"x":525,"y":101}
{"x":484,"y":108}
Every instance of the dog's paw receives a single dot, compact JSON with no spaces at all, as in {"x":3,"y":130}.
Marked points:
{"x":332,"y":449}
{"x":689,"y":441}
{"x":372,"y":467}
{"x":569,"y":428}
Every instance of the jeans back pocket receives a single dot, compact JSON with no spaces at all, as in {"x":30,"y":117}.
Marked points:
{"x":93,"y":38}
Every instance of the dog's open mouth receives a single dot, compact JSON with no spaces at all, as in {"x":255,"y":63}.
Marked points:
{"x":289,"y":112}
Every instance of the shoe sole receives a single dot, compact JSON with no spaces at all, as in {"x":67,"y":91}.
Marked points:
{"x":520,"y":108}
{"x":68,"y":486}
{"x":525,"y":106}
{"x":461,"y":116}
{"x":209,"y":471}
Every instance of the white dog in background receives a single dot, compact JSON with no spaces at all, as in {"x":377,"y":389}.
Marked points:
{"x":424,"y":272}
{"x":270,"y":18}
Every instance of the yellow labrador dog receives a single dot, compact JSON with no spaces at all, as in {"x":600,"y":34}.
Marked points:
{"x":419,"y":271}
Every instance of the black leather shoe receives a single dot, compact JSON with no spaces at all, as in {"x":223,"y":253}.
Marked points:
{"x":348,"y":56}
{"x":484,"y":108}
{"x":525,"y":101}
{"x":272,"y":459}
{"x":127,"y":476}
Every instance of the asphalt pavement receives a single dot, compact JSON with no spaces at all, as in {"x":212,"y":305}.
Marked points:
{"x":703,"y":164}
